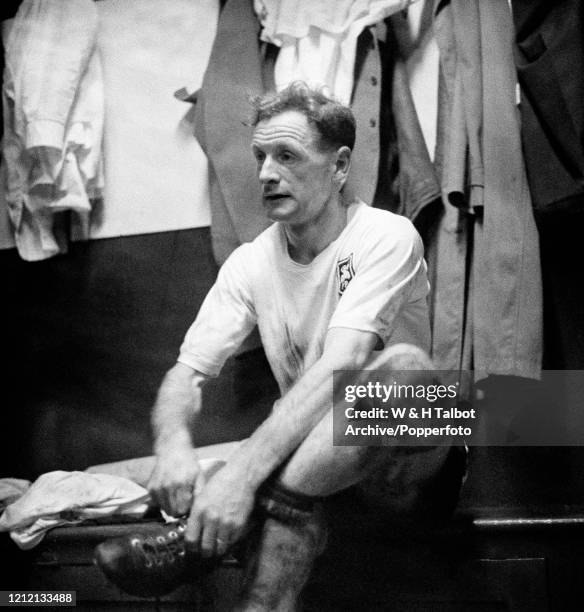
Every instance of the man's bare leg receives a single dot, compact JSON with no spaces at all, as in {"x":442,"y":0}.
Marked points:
{"x":285,"y":554}
{"x":286,"y":550}
{"x":280,"y":562}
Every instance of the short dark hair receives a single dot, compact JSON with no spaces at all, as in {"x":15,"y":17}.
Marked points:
{"x":334,"y":122}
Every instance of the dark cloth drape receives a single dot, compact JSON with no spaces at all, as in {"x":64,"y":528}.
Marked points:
{"x":550,"y":68}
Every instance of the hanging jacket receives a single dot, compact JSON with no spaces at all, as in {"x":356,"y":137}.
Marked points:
{"x":487,"y":286}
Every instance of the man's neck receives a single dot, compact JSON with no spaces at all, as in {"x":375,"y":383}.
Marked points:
{"x":307,"y":241}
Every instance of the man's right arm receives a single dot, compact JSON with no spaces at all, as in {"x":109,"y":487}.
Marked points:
{"x":225,"y":318}
{"x":176,"y":474}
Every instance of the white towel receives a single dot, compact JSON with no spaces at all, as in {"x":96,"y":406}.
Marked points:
{"x":60,"y":498}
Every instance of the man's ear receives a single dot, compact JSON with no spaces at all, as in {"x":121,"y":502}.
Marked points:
{"x":342,"y":165}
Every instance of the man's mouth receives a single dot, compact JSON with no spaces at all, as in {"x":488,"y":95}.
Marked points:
{"x":274,"y":197}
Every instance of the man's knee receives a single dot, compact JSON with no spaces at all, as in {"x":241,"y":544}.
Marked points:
{"x":418,"y":487}
{"x":403,"y":356}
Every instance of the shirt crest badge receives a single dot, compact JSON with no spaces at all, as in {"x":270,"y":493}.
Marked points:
{"x":345,"y":272}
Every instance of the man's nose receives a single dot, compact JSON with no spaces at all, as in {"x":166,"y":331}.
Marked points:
{"x":268,"y":172}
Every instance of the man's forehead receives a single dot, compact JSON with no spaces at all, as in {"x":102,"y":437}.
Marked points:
{"x":291,"y":125}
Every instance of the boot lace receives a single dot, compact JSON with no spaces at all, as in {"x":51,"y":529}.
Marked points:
{"x":162,"y":549}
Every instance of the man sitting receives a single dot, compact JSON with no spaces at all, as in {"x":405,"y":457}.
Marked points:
{"x":328,"y":284}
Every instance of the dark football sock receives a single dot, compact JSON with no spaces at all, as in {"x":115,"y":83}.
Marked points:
{"x":284,"y":504}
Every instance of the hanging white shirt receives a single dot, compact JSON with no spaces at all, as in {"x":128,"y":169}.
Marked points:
{"x":53,"y":120}
{"x":318,"y":38}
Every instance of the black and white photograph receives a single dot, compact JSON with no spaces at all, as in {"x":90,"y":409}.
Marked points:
{"x":293,"y":306}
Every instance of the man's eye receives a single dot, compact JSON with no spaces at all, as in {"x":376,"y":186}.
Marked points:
{"x":286,"y":156}
{"x":260,"y":157}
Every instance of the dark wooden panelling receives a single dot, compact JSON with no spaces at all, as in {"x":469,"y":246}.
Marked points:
{"x":88,"y":337}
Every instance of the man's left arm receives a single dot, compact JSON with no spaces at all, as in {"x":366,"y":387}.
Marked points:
{"x":220,"y":513}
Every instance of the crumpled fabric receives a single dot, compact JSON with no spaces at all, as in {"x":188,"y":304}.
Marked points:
{"x":318,"y":39}
{"x":66,"y":498}
{"x":53,"y":110}
{"x":11,"y":489}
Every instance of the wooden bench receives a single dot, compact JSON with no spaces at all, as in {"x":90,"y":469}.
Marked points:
{"x":486,"y":559}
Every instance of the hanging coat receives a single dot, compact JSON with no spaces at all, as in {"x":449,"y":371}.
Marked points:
{"x":487,"y":295}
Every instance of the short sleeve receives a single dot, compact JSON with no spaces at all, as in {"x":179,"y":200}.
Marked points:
{"x":225,"y":319}
{"x":390,"y":277}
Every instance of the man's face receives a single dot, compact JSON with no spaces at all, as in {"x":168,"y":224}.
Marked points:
{"x":296,"y":176}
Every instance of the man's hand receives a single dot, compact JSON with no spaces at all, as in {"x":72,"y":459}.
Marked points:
{"x":175,"y":477}
{"x":220,"y":512}
{"x":176,"y":473}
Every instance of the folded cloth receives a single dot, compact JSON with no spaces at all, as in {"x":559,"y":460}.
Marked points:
{"x":58,"y":498}
{"x":11,"y":489}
